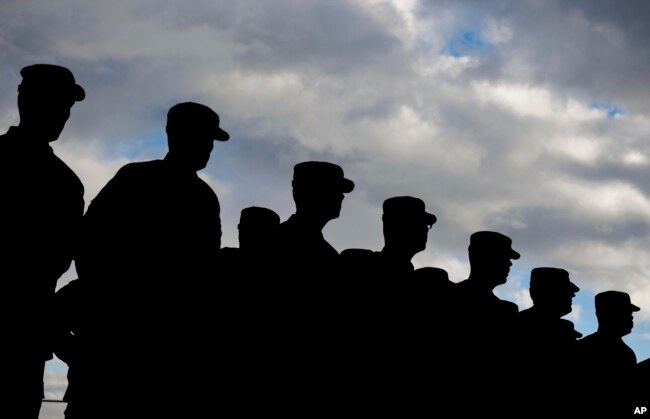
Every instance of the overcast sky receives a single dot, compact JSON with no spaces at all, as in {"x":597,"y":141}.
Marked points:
{"x":528,"y":117}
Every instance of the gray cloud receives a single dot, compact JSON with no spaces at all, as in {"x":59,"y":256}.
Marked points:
{"x":595,"y":50}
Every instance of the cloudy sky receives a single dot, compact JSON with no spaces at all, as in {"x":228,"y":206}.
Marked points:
{"x":528,"y":117}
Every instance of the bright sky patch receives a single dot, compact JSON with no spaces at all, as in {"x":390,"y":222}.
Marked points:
{"x":153,"y":146}
{"x":610,"y":109}
{"x":465,"y":42}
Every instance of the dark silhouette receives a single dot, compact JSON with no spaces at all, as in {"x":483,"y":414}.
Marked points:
{"x":384,"y":308}
{"x":150,"y":239}
{"x":71,"y":302}
{"x":430,"y":293}
{"x":606,"y":363}
{"x":435,"y":279}
{"x":253,"y":225}
{"x":297,"y":246}
{"x":236,"y":290}
{"x":639,"y":385}
{"x":237,"y":265}
{"x":481,"y":323}
{"x":42,"y":206}
{"x":173,"y":325}
{"x":543,"y":344}
{"x":297,"y":295}
{"x":405,"y":226}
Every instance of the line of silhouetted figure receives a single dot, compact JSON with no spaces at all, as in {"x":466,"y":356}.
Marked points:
{"x":162,"y":321}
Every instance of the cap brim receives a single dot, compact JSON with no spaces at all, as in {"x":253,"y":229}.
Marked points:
{"x":429,"y":218}
{"x":221,"y":135}
{"x":78,"y":93}
{"x":347,"y":185}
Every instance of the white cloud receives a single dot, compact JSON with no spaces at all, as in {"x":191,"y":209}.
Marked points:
{"x":635,"y":158}
{"x":580,"y":149}
{"x":532,"y":101}
{"x":611,"y":199}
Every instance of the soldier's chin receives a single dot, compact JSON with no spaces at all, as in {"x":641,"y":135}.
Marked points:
{"x":51,"y":134}
{"x":335,"y":212}
{"x":501,"y":281}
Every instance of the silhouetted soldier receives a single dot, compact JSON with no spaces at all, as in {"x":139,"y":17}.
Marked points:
{"x":253,"y":225}
{"x":237,"y":286}
{"x":297,"y":246}
{"x":431,"y":290}
{"x":151,"y":238}
{"x":406,"y":225}
{"x":296,"y":297}
{"x":481,"y":322}
{"x":385,"y":305}
{"x":42,"y":206}
{"x":607,"y":363}
{"x":435,"y":279}
{"x":380,"y":284}
{"x":544,"y":343}
{"x":237,"y":265}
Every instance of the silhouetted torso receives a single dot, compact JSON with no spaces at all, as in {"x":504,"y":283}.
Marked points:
{"x":152,"y":220}
{"x":42,"y":206}
{"x":297,"y":249}
{"x":545,"y":334}
{"x":607,"y":356}
{"x":543,"y":343}
{"x":606,"y":367}
{"x":606,"y":364}
{"x":477,"y":300}
{"x":542,"y":348}
{"x":150,"y":239}
{"x":367,"y":265}
{"x":480,"y":326}
{"x":296,"y":277}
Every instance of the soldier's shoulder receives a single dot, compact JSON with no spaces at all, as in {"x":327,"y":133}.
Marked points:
{"x":141,"y":166}
{"x":357,"y":252}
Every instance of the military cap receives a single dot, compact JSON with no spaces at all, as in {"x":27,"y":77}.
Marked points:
{"x":319,"y":174}
{"x":548,"y":278}
{"x":407,"y":208}
{"x":254,"y":217}
{"x":614,"y":301}
{"x":195,"y":117}
{"x":50,"y":78}
{"x":492,"y":242}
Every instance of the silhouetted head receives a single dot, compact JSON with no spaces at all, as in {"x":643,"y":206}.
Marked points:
{"x":489,"y":256}
{"x":45,"y":97}
{"x":551,"y":290}
{"x":191,"y":130}
{"x":614,"y":312}
{"x":406,"y":224}
{"x":318,"y":189}
{"x":253,"y":222}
